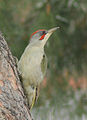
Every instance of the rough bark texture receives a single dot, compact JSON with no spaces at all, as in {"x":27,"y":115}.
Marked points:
{"x":13,"y":105}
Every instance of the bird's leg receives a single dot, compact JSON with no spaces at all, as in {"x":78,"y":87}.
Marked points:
{"x":30,"y":92}
{"x":34,"y":96}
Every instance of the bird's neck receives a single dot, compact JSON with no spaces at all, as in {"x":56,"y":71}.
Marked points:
{"x":35,"y":48}
{"x":37,"y":44}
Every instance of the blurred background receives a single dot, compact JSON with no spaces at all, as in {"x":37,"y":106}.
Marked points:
{"x":63,"y":95}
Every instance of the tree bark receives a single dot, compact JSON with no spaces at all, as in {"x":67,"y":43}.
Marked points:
{"x":13,"y":105}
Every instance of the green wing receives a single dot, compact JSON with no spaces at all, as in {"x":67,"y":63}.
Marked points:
{"x":44,"y":64}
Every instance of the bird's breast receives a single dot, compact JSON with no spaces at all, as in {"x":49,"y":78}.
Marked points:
{"x":30,"y":67}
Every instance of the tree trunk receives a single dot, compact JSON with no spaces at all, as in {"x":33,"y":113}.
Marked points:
{"x":13,"y":105}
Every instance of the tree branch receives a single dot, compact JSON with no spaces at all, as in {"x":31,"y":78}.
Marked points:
{"x":13,"y":105}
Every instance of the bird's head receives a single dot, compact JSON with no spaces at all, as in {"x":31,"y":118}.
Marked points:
{"x":40,"y":37}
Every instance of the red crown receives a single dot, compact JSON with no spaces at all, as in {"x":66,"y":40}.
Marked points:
{"x":36,"y":32}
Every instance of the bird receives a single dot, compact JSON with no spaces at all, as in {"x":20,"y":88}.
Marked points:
{"x":33,"y":64}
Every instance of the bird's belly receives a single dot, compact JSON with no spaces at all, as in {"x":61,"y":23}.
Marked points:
{"x":32,"y":73}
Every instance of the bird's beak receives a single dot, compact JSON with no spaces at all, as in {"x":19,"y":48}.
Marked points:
{"x":48,"y":34}
{"x":52,"y":30}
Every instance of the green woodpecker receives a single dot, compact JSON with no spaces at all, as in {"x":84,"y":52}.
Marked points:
{"x":33,"y":64}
